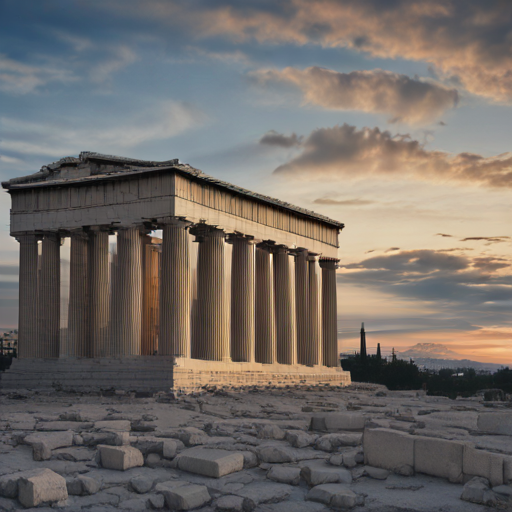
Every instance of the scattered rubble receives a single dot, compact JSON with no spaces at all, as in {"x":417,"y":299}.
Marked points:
{"x":256,"y":450}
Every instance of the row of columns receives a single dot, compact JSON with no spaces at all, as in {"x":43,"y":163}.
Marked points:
{"x":282,"y":307}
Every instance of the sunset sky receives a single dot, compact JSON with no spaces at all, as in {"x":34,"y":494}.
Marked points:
{"x":394,"y":117}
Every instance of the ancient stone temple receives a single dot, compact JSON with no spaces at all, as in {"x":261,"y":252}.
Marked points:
{"x":152,"y":275}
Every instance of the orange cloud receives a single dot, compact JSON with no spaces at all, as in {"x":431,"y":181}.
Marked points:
{"x":413,"y":101}
{"x":469,"y":40}
{"x":344,"y":151}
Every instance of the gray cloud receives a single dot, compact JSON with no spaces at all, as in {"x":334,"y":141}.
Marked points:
{"x":344,"y":151}
{"x":273,"y":138}
{"x":410,"y":100}
{"x":489,"y":239}
{"x":466,"y":284}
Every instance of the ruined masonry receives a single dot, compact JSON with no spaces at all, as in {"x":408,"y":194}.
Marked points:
{"x":105,"y":302}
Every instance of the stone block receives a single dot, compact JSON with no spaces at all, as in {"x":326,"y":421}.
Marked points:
{"x":333,"y":495}
{"x":376,"y":473}
{"x":141,"y":484}
{"x":230,"y":504}
{"x":113,"y":426}
{"x":264,"y":492}
{"x":183,"y":496}
{"x":213,"y":463}
{"x":43,"y":443}
{"x":275,"y":454}
{"x":330,"y":442}
{"x":63,"y":425}
{"x":169,"y":449}
{"x":41,"y":486}
{"x":336,"y":421}
{"x":299,"y":439}
{"x":271,"y":431}
{"x":250,"y":459}
{"x":477,"y":491}
{"x":89,"y":485}
{"x":495,"y":423}
{"x":389,"y":449}
{"x":481,"y":463}
{"x":120,"y":457}
{"x":318,"y":473}
{"x":284,"y":475}
{"x":439,"y":457}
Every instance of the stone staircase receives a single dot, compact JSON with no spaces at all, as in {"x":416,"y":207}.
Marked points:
{"x":137,"y":373}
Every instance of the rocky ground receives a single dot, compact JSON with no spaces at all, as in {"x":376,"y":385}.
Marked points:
{"x":255,"y":450}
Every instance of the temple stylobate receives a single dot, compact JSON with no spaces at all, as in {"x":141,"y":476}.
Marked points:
{"x":153,"y":275}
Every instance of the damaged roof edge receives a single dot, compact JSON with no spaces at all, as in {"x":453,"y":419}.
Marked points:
{"x":134,"y":167}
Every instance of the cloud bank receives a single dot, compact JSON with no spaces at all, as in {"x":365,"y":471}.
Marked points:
{"x":409,"y":100}
{"x":469,"y":41}
{"x":346,"y":152}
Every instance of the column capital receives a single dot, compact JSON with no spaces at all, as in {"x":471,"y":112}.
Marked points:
{"x":28,"y":238}
{"x":181,"y":222}
{"x":201,"y":231}
{"x":240,"y":237}
{"x":78,"y":234}
{"x":329,"y":263}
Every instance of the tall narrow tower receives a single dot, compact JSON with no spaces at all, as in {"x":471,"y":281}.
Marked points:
{"x":362,"y":350}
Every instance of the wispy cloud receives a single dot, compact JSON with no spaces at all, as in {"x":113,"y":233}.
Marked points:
{"x":405,"y":99}
{"x":347,"y":152}
{"x":21,"y":78}
{"x":490,"y":239}
{"x":121,"y":57}
{"x":162,"y":121}
{"x":343,"y":202}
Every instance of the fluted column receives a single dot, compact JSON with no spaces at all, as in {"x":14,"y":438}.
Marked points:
{"x":175,"y":288}
{"x":315,"y":312}
{"x":78,"y":318}
{"x":99,"y":298}
{"x":284,"y":278}
{"x":213,"y":343}
{"x":150,"y":301}
{"x":265,"y":312}
{"x":128,"y":299}
{"x":27,"y":320}
{"x":302,"y":305}
{"x":329,"y":313}
{"x":49,"y":297}
{"x":242,"y":300}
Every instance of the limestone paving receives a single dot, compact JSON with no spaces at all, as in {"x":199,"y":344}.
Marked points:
{"x":260,"y":449}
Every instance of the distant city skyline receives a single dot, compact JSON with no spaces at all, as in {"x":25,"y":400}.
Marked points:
{"x":392,"y":117}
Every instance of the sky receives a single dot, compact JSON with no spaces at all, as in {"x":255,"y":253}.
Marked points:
{"x":392,"y":116}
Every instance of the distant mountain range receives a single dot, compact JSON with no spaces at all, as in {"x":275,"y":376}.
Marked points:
{"x":434,"y":356}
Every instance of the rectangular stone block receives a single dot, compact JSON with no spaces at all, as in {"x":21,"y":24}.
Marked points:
{"x":495,"y":423}
{"x":389,"y":449}
{"x":182,"y":495}
{"x":212,"y":463}
{"x":120,"y":457}
{"x":336,"y":421}
{"x":481,"y":463}
{"x":439,"y":457}
{"x":41,"y":486}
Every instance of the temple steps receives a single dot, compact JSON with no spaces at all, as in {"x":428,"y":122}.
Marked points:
{"x":138,"y":373}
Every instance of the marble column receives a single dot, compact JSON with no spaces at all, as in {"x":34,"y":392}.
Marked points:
{"x":265,"y":328}
{"x":27,"y":320}
{"x":78,"y":318}
{"x":128,"y":299}
{"x":213,"y":340}
{"x":100,"y":342}
{"x":242,"y":300}
{"x":302,"y":305}
{"x":329,"y":313}
{"x":150,"y":299}
{"x":49,"y":297}
{"x":286,"y":333}
{"x":315,"y":312}
{"x":175,"y":289}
